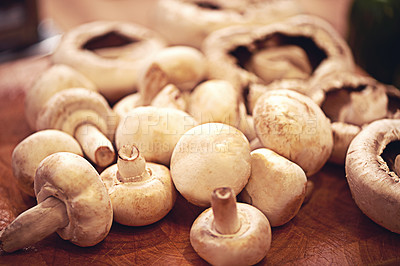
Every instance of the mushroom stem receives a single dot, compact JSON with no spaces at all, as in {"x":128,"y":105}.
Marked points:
{"x":97,"y":147}
{"x":223,"y":203}
{"x":397,"y":165}
{"x":131,"y":164}
{"x":34,"y":224}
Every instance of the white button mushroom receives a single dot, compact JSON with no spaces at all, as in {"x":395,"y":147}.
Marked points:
{"x":230,"y":233}
{"x":85,"y":115}
{"x":141,"y":193}
{"x":276,"y":186}
{"x":209,"y":156}
{"x":109,"y":53}
{"x":126,"y":104}
{"x":32,"y":150}
{"x":295,"y":127}
{"x":53,"y":80}
{"x":72,"y":200}
{"x":215,"y":101}
{"x":154,"y":131}
{"x":371,"y":172}
{"x":182,"y":66}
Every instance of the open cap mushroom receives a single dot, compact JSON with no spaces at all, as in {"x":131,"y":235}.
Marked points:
{"x":294,"y":126}
{"x":215,"y":101}
{"x":141,"y":193}
{"x":154,"y":131}
{"x":233,"y":52}
{"x":55,"y":79}
{"x":109,"y":53}
{"x":230,"y":233}
{"x":276,"y":186}
{"x":32,"y":150}
{"x":372,"y":172}
{"x":182,"y":66}
{"x":208,"y":156}
{"x":350,"y":101}
{"x":72,"y":200}
{"x":85,"y":115}
{"x":188,"y":22}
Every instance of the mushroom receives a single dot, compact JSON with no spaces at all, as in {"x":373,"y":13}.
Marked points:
{"x":32,"y":150}
{"x":182,"y":66}
{"x":154,"y":131}
{"x":371,"y":172}
{"x":215,"y":101}
{"x":170,"y":97}
{"x":127,"y":103}
{"x":109,"y":53}
{"x":188,"y":22}
{"x":85,"y":115}
{"x":257,"y":90}
{"x":276,"y":186}
{"x":230,"y":233}
{"x":282,"y":62}
{"x":350,"y":101}
{"x":246,"y":122}
{"x":141,"y":193}
{"x":53,"y":80}
{"x":295,"y":127}
{"x":208,"y":156}
{"x":234,"y":51}
{"x":72,"y":201}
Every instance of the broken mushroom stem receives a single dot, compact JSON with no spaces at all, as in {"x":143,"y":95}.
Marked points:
{"x":97,"y":147}
{"x":46,"y":218}
{"x":223,"y":202}
{"x":131,"y":165}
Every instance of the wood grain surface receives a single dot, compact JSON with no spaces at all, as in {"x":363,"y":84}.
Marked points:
{"x":329,"y":229}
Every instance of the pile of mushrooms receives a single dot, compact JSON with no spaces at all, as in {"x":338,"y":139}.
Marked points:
{"x":254,"y":114}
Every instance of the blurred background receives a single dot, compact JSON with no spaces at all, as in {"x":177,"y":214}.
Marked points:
{"x":372,"y":27}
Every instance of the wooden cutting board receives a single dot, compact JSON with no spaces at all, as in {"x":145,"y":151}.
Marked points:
{"x":329,"y":229}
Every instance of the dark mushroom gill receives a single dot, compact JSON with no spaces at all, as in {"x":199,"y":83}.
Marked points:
{"x":110,"y":39}
{"x":390,"y":152}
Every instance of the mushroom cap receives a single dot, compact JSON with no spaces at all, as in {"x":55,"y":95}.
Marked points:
{"x":346,"y":95}
{"x":170,"y":96}
{"x":276,"y":186}
{"x":184,"y":66}
{"x":372,"y":180}
{"x":317,"y":36}
{"x":124,"y":105}
{"x":73,"y":180}
{"x":110,"y":53}
{"x":209,"y":156}
{"x":68,"y":109}
{"x":55,"y":79}
{"x":246,"y":247}
{"x":257,"y":90}
{"x":144,"y":202}
{"x":154,"y":130}
{"x":184,"y":22}
{"x":215,"y":101}
{"x":343,"y":134}
{"x":295,"y":127}
{"x":33,"y":149}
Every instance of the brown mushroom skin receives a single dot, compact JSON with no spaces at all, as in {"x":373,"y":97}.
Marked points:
{"x":246,"y":247}
{"x":372,"y":180}
{"x":142,"y":202}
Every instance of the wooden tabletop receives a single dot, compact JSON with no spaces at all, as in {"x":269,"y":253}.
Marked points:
{"x":329,"y":229}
